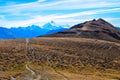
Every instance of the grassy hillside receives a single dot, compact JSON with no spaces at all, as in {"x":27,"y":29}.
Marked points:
{"x":59,"y":58}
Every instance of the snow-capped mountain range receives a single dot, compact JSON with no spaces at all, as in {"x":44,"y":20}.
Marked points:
{"x":31,"y":31}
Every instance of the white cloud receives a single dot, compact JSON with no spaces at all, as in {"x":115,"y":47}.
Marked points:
{"x":27,"y":9}
{"x":60,"y":5}
{"x":41,"y":0}
{"x":2,"y":16}
{"x":60,"y":19}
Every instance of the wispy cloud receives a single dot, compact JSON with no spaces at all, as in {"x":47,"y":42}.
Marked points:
{"x":59,"y":5}
{"x":41,"y":0}
{"x":42,"y":11}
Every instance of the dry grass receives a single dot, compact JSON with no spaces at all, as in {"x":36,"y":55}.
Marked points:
{"x":80,"y":57}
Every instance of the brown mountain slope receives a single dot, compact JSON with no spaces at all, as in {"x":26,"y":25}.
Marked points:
{"x":97,"y":29}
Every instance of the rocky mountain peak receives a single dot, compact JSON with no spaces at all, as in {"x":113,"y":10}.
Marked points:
{"x":97,"y":29}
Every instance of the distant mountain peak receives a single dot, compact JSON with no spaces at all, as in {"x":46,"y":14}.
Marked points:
{"x":52,"y":23}
{"x":100,"y":19}
{"x":94,"y":20}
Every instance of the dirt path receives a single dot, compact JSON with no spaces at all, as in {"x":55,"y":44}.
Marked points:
{"x":38,"y":77}
{"x":29,"y":69}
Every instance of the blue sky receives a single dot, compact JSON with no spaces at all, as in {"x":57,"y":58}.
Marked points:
{"x":14,"y":13}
